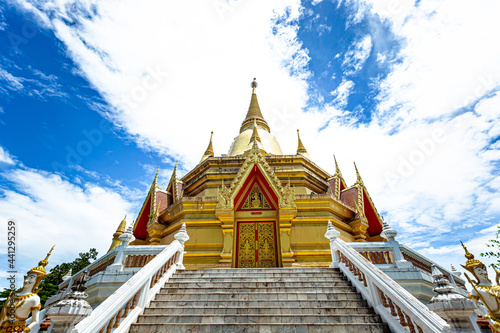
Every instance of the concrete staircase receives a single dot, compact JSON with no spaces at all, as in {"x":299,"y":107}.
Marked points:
{"x":259,"y":300}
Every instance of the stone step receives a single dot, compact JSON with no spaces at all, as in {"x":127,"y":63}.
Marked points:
{"x":248,"y":279}
{"x":259,"y":296}
{"x":263,"y":328}
{"x":175,"y":310}
{"x":261,"y":274}
{"x":258,"y":319}
{"x":291,"y":285}
{"x":312,"y":290}
{"x":267,"y":270}
{"x":259,"y":304}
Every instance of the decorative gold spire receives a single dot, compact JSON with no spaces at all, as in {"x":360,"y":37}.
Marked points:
{"x":337,"y":169}
{"x":300,"y":149}
{"x":210,"y":150}
{"x":255,"y":134}
{"x":172,"y":185}
{"x":155,"y":180}
{"x":359,"y":181}
{"x":254,"y":112}
{"x":119,"y":231}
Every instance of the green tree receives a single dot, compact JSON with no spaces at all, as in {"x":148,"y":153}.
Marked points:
{"x":494,"y":245}
{"x":51,"y":283}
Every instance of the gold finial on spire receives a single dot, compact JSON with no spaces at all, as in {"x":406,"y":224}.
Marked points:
{"x":300,"y":149}
{"x":359,"y":181}
{"x":254,"y":85}
{"x":119,"y":231}
{"x":210,"y":150}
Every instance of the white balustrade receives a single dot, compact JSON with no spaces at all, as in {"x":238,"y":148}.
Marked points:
{"x":397,"y":307}
{"x":122,"y":308}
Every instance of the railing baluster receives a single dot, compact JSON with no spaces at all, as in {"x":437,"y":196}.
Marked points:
{"x":391,"y":307}
{"x":118,"y":318}
{"x":134,"y":302}
{"x":410,"y":323}
{"x":401,"y":317}
{"x":384,"y":299}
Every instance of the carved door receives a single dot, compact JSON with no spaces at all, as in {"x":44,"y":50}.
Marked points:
{"x":256,"y":245}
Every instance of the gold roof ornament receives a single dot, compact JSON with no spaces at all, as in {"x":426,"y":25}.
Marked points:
{"x":155,"y":180}
{"x":359,"y":181}
{"x":119,"y":231}
{"x":173,"y":183}
{"x":337,"y":169}
{"x":255,"y":134}
{"x":40,"y":270}
{"x":210,"y":150}
{"x":300,"y":148}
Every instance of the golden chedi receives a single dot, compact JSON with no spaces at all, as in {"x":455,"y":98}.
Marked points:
{"x":256,"y":206}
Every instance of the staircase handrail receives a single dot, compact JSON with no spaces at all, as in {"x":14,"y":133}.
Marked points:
{"x":122,"y":308}
{"x":397,"y":307}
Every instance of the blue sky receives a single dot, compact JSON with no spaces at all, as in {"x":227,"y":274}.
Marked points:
{"x":94,"y":96}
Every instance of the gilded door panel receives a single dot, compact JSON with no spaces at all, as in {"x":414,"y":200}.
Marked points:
{"x":256,"y":244}
{"x":266,"y":244}
{"x":246,"y":244}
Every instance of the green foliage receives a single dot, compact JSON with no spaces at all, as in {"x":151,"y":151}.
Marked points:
{"x":494,"y":245}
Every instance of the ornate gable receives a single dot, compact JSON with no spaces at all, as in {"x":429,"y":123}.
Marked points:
{"x":285,"y":194}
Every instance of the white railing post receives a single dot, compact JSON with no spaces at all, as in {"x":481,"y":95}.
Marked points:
{"x":332,"y":235}
{"x":182,"y":237}
{"x":126,"y":238}
{"x":390,"y":234}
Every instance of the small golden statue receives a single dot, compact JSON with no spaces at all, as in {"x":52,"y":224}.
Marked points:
{"x":484,"y":294}
{"x":18,"y":307}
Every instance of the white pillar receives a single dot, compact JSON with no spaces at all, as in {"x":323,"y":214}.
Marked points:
{"x":332,"y":235}
{"x":126,"y":238}
{"x":182,"y":237}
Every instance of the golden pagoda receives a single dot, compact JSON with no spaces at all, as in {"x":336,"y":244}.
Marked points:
{"x":257,"y":207}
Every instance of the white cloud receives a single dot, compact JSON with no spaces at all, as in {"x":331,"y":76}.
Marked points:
{"x":5,"y":157}
{"x":342,"y":93}
{"x":157,"y":66}
{"x":49,"y":210}
{"x":356,"y":55}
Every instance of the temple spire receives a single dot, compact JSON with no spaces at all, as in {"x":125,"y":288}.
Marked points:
{"x":210,"y":150}
{"x":300,"y":148}
{"x":254,"y":112}
{"x":119,"y":231}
